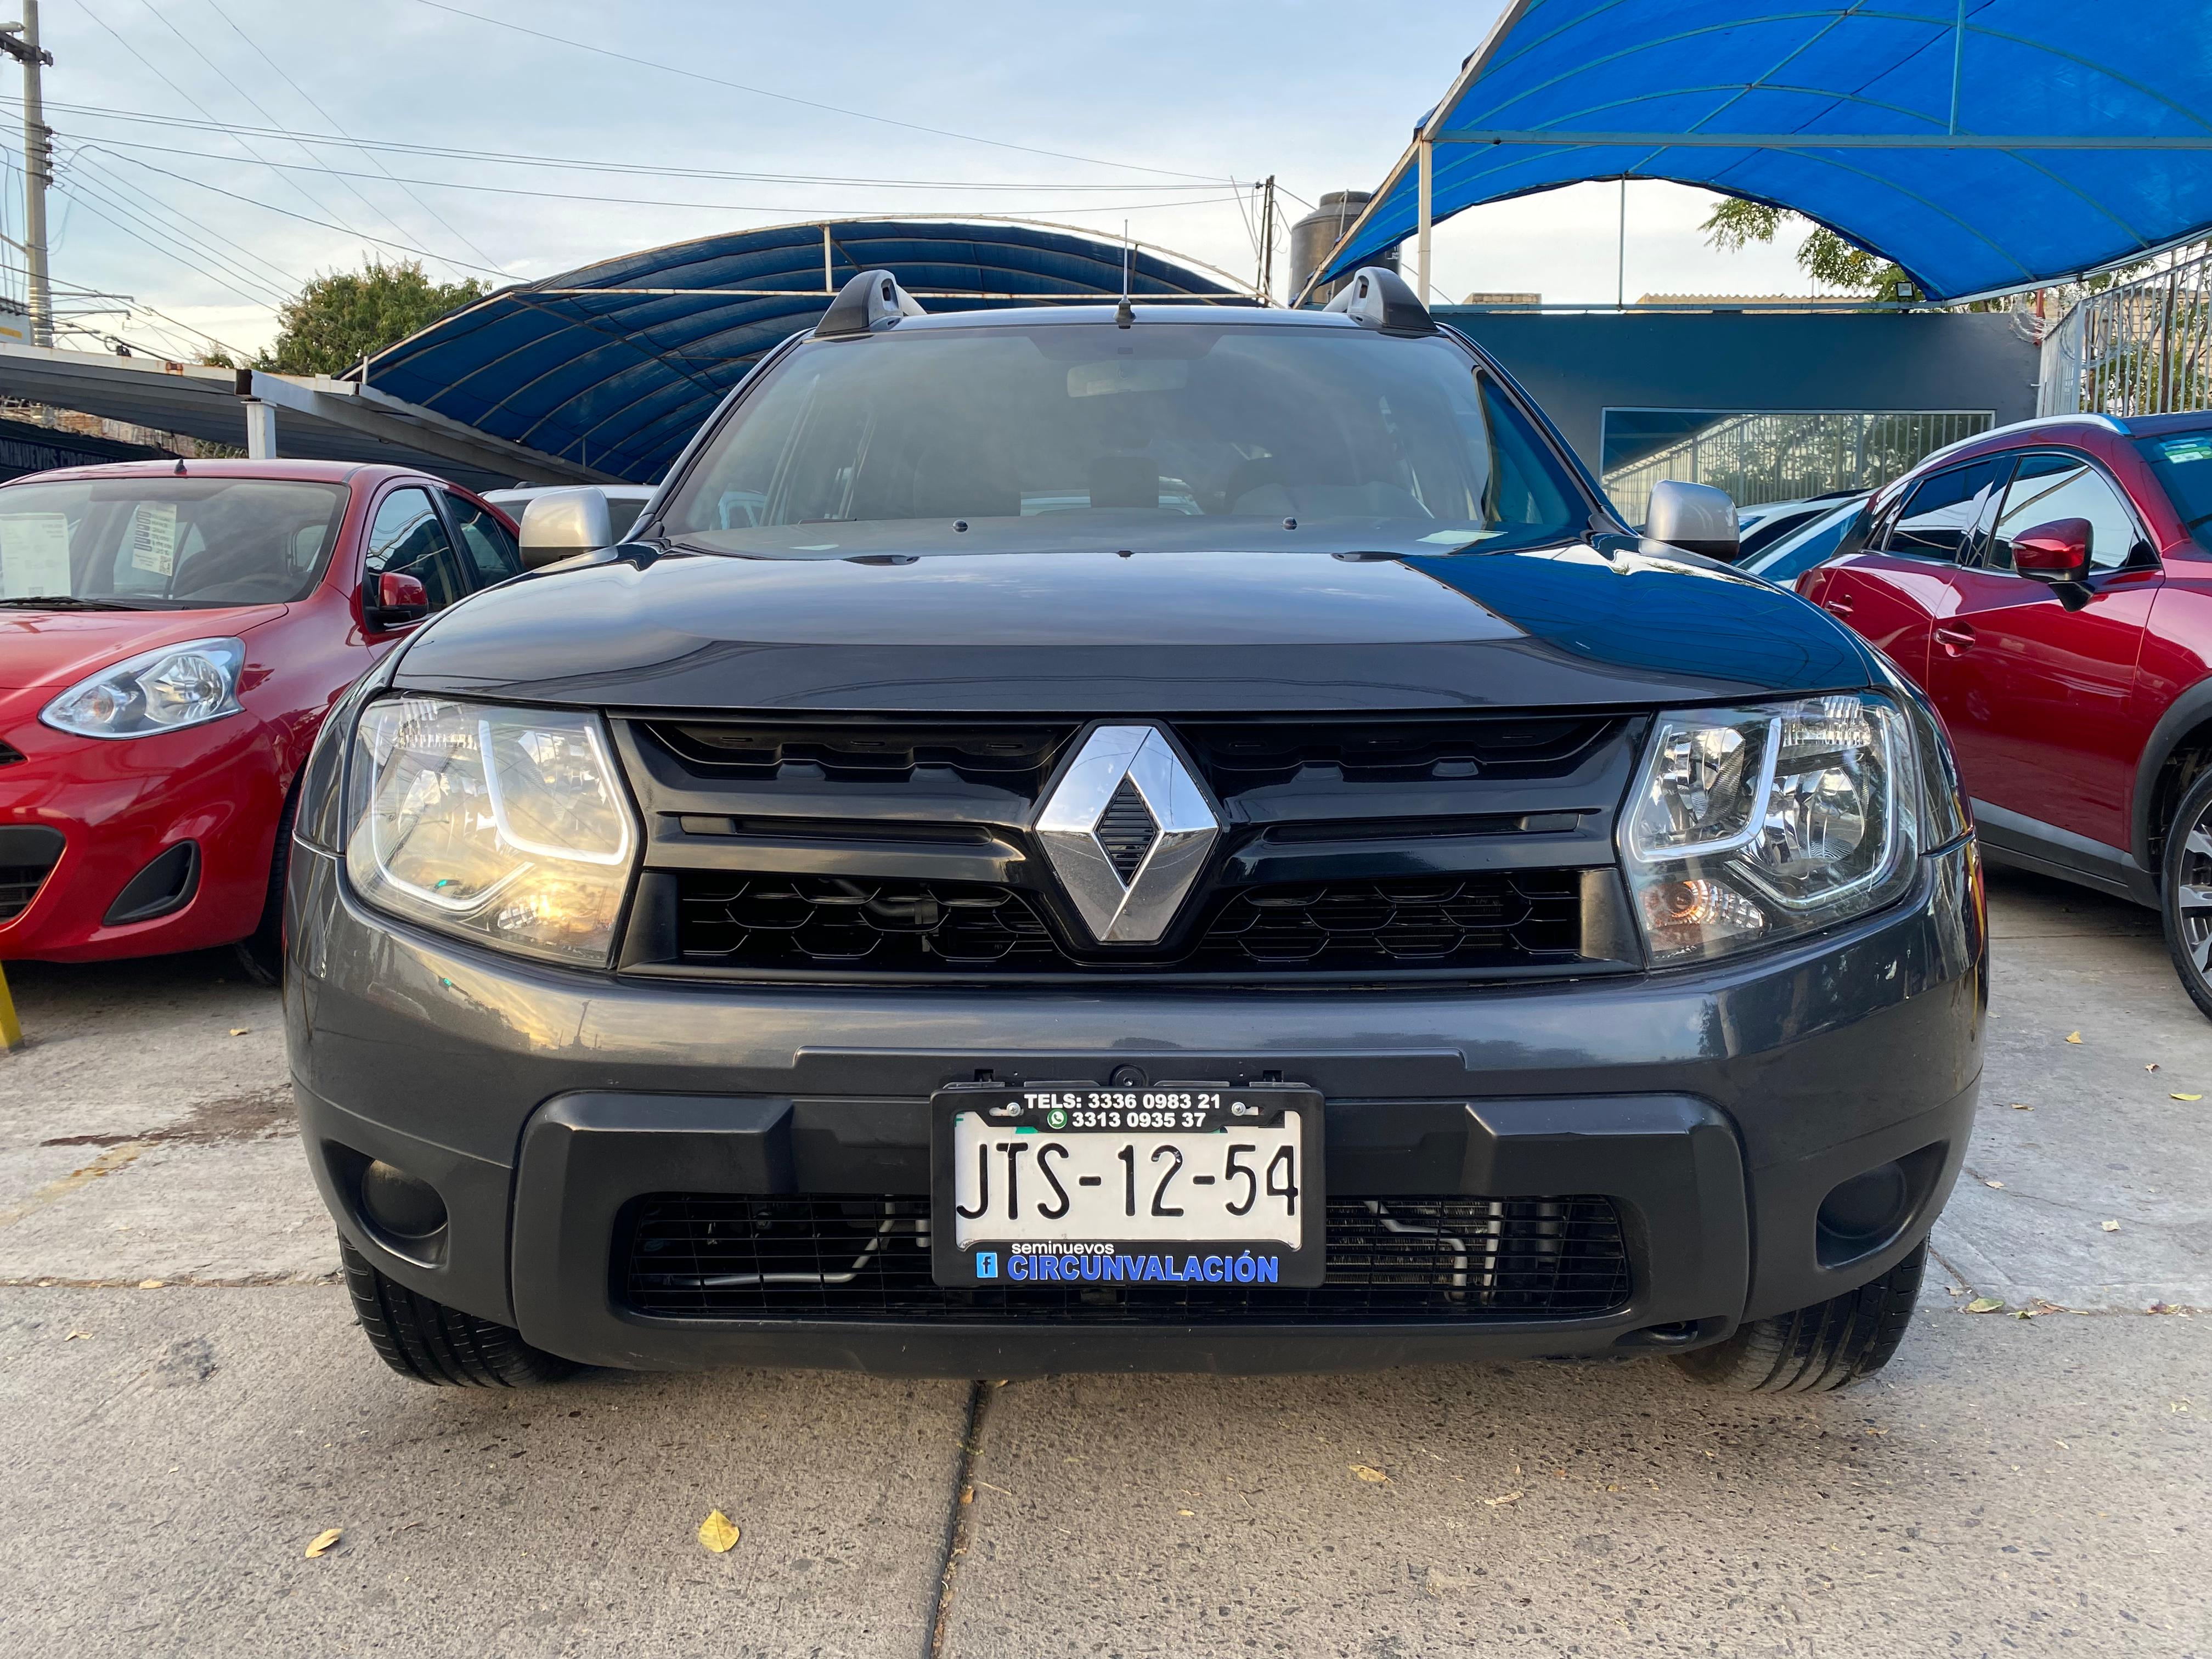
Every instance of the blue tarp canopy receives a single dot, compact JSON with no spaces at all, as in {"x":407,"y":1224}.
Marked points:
{"x":1985,"y":145}
{"x":614,"y":366}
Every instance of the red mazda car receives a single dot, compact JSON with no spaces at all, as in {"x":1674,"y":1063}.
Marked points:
{"x":2049,"y":585}
{"x":171,"y":636}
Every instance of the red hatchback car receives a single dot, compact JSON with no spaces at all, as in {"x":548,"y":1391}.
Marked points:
{"x":2048,"y":585}
{"x":171,"y":637}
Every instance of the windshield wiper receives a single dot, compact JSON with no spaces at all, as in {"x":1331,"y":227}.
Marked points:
{"x":71,"y":602}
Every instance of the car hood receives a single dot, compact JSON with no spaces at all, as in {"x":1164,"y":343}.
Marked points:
{"x":1099,"y":633}
{"x":57,"y":649}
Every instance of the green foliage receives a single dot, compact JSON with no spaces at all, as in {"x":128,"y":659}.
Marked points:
{"x":342,"y":316}
{"x":1826,"y":258}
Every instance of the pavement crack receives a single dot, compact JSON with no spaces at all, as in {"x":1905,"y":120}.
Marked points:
{"x":960,"y":1518}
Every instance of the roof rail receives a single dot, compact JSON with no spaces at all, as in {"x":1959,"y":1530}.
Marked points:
{"x":868,"y":301}
{"x":1374,"y":296}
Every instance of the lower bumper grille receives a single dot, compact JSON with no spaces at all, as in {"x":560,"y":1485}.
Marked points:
{"x":1444,"y":1259}
{"x":28,"y":854}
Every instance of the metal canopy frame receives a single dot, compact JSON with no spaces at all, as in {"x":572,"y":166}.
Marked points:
{"x":316,"y":418}
{"x":1863,"y":83}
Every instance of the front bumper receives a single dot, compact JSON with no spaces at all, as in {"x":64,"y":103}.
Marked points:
{"x":119,"y":805}
{"x":1717,"y":1108}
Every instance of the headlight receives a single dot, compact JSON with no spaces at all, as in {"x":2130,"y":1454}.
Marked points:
{"x":160,"y":691}
{"x":507,"y":825}
{"x":1751,"y":825}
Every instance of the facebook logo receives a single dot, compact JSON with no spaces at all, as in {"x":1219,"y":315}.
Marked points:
{"x":986,"y":1264}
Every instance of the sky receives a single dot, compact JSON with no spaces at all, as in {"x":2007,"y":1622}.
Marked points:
{"x":176,"y":228}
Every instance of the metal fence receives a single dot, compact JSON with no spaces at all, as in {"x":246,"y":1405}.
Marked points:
{"x":1782,"y":456}
{"x":2139,"y":348}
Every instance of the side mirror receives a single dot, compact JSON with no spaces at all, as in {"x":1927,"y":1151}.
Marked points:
{"x":562,"y":523}
{"x":1695,"y":518}
{"x":392,"y":600}
{"x":2055,"y":552}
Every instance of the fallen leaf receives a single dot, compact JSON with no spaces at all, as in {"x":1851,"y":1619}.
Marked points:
{"x":325,"y":1541}
{"x":1985,"y":1304}
{"x":149,"y":1283}
{"x":2110,"y":1226}
{"x":2061,"y":1445}
{"x":718,"y":1532}
{"x":2159,"y":1308}
{"x":1373,"y":1477}
{"x":76,"y":1336}
{"x":1191,"y":1513}
{"x":2153,"y":1067}
{"x":1993,"y":1183}
{"x":2073,"y":1036}
{"x":967,"y":1494}
{"x":2022,"y":1106}
{"x":240,"y":1030}
{"x":1503,"y":1498}
{"x":2177,"y":1405}
{"x":2185,"y":1097}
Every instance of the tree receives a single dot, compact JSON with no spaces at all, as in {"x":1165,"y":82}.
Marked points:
{"x":342,"y":316}
{"x":1734,"y":224}
{"x":1826,"y":258}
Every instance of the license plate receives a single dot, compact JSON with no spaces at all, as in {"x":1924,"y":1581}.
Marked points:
{"x":1062,"y":1184}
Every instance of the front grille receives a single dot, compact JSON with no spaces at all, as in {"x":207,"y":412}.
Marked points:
{"x":1248,"y":754}
{"x":1233,"y":755}
{"x":1496,"y":919}
{"x":1443,"y":1259}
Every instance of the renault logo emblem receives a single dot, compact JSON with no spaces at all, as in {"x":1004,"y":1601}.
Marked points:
{"x":1127,"y":830}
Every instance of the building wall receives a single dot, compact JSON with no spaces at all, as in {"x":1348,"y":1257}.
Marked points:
{"x":1579,"y":364}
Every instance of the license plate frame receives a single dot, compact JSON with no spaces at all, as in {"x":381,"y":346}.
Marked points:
{"x":1053,"y":1111}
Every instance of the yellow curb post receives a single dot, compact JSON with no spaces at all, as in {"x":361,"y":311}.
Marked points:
{"x":11,"y":1028}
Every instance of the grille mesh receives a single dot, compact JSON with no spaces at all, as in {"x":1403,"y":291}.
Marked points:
{"x":1496,"y":919}
{"x":1444,"y":1259}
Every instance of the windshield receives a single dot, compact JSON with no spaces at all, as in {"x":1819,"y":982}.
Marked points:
{"x":166,"y":542}
{"x":2183,"y":461}
{"x":1167,"y":434}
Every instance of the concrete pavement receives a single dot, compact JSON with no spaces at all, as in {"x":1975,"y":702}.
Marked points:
{"x":2007,"y":1486}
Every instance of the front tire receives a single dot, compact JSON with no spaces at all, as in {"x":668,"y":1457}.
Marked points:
{"x":428,"y":1342}
{"x":2185,"y":901}
{"x":1830,"y":1345}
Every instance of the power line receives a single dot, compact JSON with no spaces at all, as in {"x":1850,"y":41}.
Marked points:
{"x":165,"y":249}
{"x":574,"y":196}
{"x":322,"y":224}
{"x":86,"y":155}
{"x":512,"y":158}
{"x":338,"y":127}
{"x":162,"y":75}
{"x":229,"y":272}
{"x":192,"y":46}
{"x":333,"y":121}
{"x":788,"y":97}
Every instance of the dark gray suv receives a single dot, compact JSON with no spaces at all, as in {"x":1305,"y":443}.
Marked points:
{"x":1140,"y":837}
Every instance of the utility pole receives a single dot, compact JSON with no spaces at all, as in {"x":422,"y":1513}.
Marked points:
{"x":20,"y":42}
{"x":1268,"y":242}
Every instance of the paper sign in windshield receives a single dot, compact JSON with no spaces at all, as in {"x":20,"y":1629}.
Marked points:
{"x":2195,"y":447}
{"x":35,"y":560}
{"x":154,"y":538}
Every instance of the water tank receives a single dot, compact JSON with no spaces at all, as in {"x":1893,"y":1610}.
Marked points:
{"x":1313,"y":236}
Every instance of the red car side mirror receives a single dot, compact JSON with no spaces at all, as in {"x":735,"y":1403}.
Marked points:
{"x":392,"y":600}
{"x":2055,"y":552}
